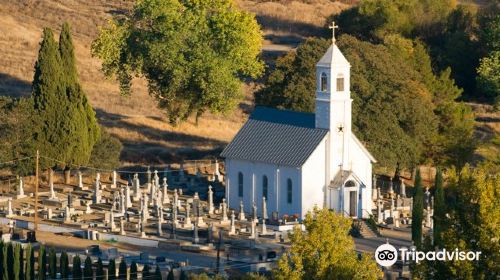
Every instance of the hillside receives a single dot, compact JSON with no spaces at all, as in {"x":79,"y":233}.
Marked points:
{"x":136,"y":120}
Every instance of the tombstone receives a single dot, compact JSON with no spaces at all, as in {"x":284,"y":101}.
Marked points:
{"x":142,"y":225}
{"x":253,"y":233}
{"x":396,"y":219}
{"x":263,"y":228}
{"x":156,"y":179}
{"x":187,"y":221}
{"x":148,"y":175}
{"x":217,"y":176}
{"x":210,"y":200}
{"x":137,"y":187}
{"x":152,"y":191}
{"x":196,"y":239}
{"x":67,"y":216}
{"x":113,"y":185}
{"x":49,"y":213}
{"x":97,"y":192}
{"x":380,"y":219}
{"x":20,"y":189}
{"x":122,"y":226}
{"x":70,"y":200}
{"x":166,"y":199}
{"x":52,"y":192}
{"x":241,"y":216}
{"x":88,"y":210}
{"x":224,"y":211}
{"x":128,"y":201}
{"x":402,"y":188}
{"x":391,"y":188}
{"x":427,"y":197}
{"x":112,"y":221}
{"x":232,"y":229}
{"x":176,"y":199}
{"x":159,"y":231}
{"x":428,"y":216}
{"x":254,"y":212}
{"x":10,"y":213}
{"x":146,"y":206}
{"x":174,"y":215}
{"x":391,"y":211}
{"x":80,"y":180}
{"x":264,"y":208}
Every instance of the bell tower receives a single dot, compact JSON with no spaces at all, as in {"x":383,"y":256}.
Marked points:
{"x":333,"y":103}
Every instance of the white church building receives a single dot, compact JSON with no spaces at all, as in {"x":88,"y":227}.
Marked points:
{"x":301,"y":160}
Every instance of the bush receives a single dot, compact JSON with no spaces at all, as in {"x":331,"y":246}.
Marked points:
{"x":106,"y":152}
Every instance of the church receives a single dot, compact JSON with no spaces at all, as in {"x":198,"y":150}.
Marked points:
{"x":300,"y":160}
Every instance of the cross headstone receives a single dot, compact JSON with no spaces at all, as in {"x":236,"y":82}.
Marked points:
{"x":210,"y":200}
{"x":232,"y":229}
{"x":242,"y":212}
{"x":224,"y":210}
{"x":187,"y":221}
{"x":137,"y":187}
{"x":403,"y":188}
{"x":166,"y":199}
{"x":20,"y":189}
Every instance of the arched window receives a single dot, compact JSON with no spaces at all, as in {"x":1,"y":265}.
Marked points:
{"x":340,"y":82}
{"x":324,"y":82}
{"x":289,"y":190}
{"x":240,"y":184}
{"x":264,"y":186}
{"x":350,"y":183}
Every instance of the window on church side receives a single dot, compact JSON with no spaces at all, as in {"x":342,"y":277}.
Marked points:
{"x":240,"y":184}
{"x":264,"y":186}
{"x":289,"y":190}
{"x":324,"y":82}
{"x":340,"y":83}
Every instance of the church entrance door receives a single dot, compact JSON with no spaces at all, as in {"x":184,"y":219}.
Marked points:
{"x":353,"y":205}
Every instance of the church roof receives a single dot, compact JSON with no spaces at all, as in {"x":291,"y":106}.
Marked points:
{"x":276,"y":137}
{"x":333,"y":56}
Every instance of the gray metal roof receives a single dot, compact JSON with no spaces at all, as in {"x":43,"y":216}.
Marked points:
{"x":277,"y":137}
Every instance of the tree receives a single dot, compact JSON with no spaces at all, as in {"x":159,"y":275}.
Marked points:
{"x":192,"y":54}
{"x":52,"y":263}
{"x":112,"y":270}
{"x":122,"y":270}
{"x":99,"y":272}
{"x":133,"y":270}
{"x":77,"y":267}
{"x":106,"y":152}
{"x":170,"y":275}
{"x":325,"y":251}
{"x":17,"y":262}
{"x":86,"y":133}
{"x":28,"y":265}
{"x":157,"y":275}
{"x":64,"y":265}
{"x":88,"y":272}
{"x":145,"y":272}
{"x":489,"y":76}
{"x":31,"y":273}
{"x":2,"y":258}
{"x":439,"y":214}
{"x":184,"y":275}
{"x":10,"y":261}
{"x":42,"y":263}
{"x":417,"y":212}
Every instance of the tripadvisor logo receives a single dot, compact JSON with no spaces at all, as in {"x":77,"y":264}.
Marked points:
{"x":387,"y":255}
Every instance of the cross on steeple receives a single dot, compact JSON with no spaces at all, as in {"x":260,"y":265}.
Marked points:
{"x":333,"y":27}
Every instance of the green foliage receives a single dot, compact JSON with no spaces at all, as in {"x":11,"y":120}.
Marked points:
{"x":184,"y":275}
{"x":42,"y":263}
{"x":64,"y":265}
{"x":52,"y":263}
{"x":5,"y":266}
{"x":2,"y":258}
{"x":439,"y":214}
{"x":112,"y":270}
{"x":133,"y":270}
{"x":122,"y":270}
{"x":30,"y":263}
{"x":66,"y":125}
{"x":417,"y":212}
{"x":325,"y":251}
{"x":16,"y":268}
{"x":146,"y":271}
{"x":10,"y":261}
{"x":99,"y":272}
{"x":170,"y":275}
{"x":76,"y":272}
{"x":192,"y":53}
{"x":106,"y":152}
{"x":291,"y":85}
{"x":489,"y":76}
{"x":472,"y":225}
{"x":157,"y":275}
{"x":88,"y":272}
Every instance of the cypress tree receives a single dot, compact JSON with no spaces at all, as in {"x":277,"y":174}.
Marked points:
{"x":170,"y":275}
{"x":64,"y":265}
{"x":112,"y":270}
{"x":99,"y":272}
{"x":122,"y":270}
{"x":85,"y":130}
{"x":417,"y":212}
{"x":88,"y":272}
{"x":77,"y":267}
{"x":52,"y":263}
{"x":157,"y":275}
{"x":10,"y":261}
{"x":4,"y":268}
{"x":133,"y":271}
{"x":42,"y":263}
{"x":439,"y":209}
{"x":17,"y":264}
{"x":21,"y":262}
{"x":184,"y":275}
{"x":2,"y":246}
{"x":30,"y":263}
{"x":145,"y":272}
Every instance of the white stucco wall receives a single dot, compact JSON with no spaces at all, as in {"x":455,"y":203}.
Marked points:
{"x":361,"y":165}
{"x":314,"y":179}
{"x":253,"y":173}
